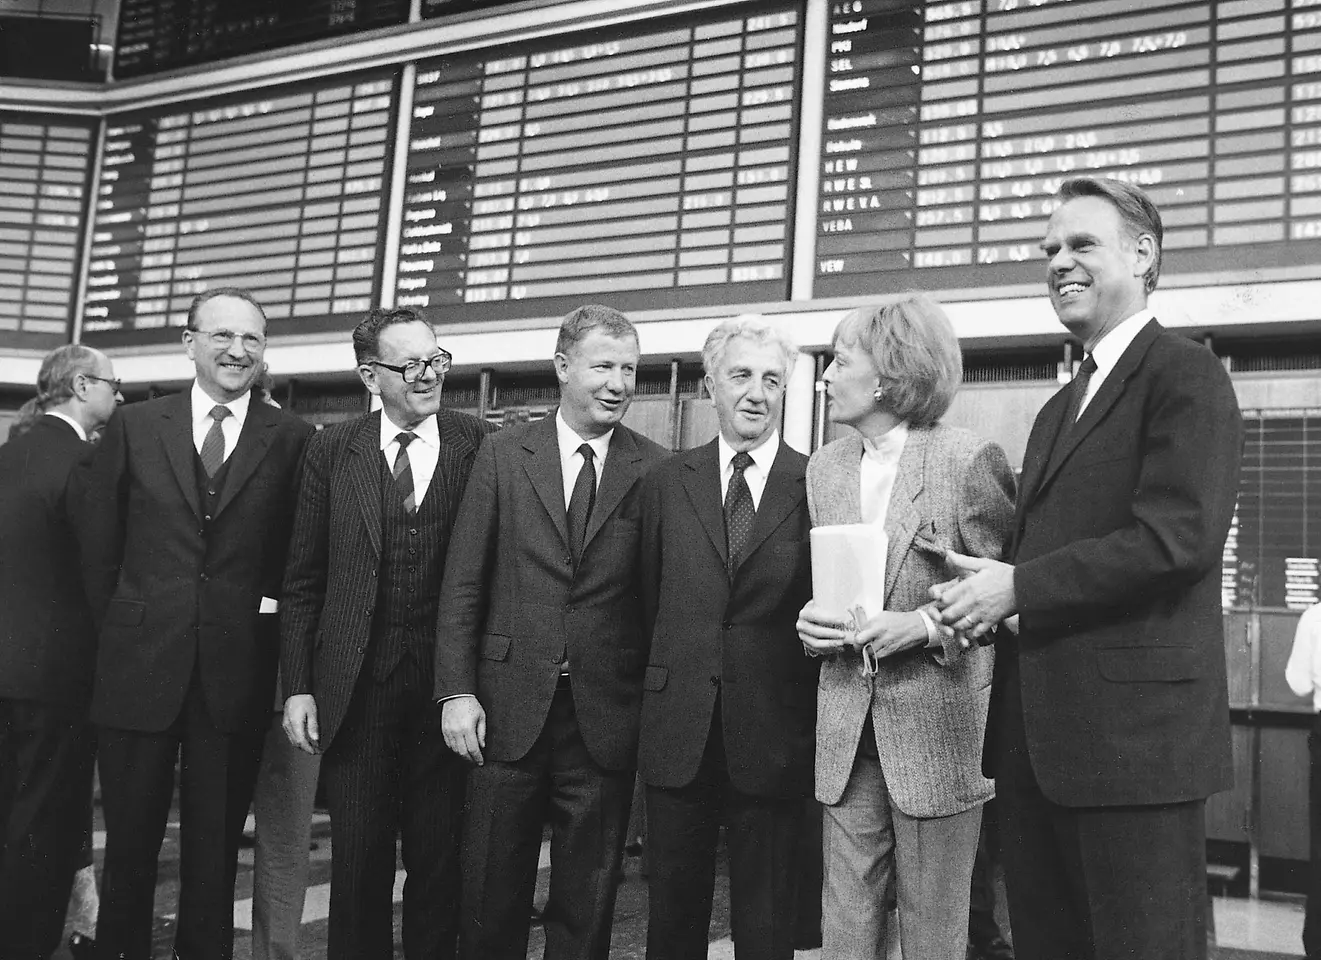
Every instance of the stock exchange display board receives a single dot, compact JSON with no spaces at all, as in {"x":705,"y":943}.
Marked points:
{"x":948,"y":125}
{"x":650,"y":166}
{"x":281,"y":192}
{"x":159,"y":35}
{"x":44,"y":167}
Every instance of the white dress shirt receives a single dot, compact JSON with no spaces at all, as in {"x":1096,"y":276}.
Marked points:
{"x":571,"y":461}
{"x":82,"y":434}
{"x":1303,"y":672}
{"x":756,"y":472}
{"x":423,"y":453}
{"x":1111,"y":347}
{"x":878,"y":470}
{"x":230,"y":427}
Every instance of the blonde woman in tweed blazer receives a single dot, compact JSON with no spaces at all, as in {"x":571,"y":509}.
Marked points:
{"x":898,"y":754}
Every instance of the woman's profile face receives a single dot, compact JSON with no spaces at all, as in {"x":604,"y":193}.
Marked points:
{"x":851,"y":381}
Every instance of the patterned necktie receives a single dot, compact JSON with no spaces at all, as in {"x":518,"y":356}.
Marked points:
{"x":581,"y":502}
{"x":739,"y":512}
{"x":213,"y":444}
{"x":1080,"y":382}
{"x":403,"y":472}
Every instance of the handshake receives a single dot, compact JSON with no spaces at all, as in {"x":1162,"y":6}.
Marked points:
{"x":970,"y":606}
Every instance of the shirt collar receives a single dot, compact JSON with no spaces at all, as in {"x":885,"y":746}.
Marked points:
{"x":570,"y":441}
{"x":1112,"y":346}
{"x":763,"y":455}
{"x":203,"y":404}
{"x":82,"y":434}
{"x":889,"y":446}
{"x":428,"y":431}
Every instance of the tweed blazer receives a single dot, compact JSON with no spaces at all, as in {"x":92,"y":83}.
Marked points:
{"x":928,"y":707}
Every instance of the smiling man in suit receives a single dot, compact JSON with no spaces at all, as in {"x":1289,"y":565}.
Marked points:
{"x":539,"y":652}
{"x":375,"y":511}
{"x":729,"y":699}
{"x":184,"y":520}
{"x":47,"y":650}
{"x":1109,"y":721}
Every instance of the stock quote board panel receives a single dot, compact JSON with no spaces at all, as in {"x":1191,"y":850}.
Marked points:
{"x":440,"y":8}
{"x":281,"y":192}
{"x":948,"y":125}
{"x":159,"y":35}
{"x":44,"y":166}
{"x":646,"y":167}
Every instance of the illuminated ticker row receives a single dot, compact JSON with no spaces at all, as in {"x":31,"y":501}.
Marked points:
{"x":949,"y":127}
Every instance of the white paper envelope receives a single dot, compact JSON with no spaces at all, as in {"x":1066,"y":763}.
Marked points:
{"x":848,"y":568}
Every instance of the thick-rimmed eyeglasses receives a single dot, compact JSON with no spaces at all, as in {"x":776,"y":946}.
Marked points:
{"x":413,"y":370}
{"x":114,"y":384}
{"x":222,"y":339}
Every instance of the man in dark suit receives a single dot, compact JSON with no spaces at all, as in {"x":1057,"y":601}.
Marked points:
{"x":1109,"y":718}
{"x":184,"y":517}
{"x":47,"y":650}
{"x":539,"y":652}
{"x":375,"y":510}
{"x":729,"y":698}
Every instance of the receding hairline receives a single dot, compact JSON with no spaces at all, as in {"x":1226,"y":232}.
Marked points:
{"x":201,"y":307}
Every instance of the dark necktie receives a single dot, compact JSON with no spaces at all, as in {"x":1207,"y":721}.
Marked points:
{"x":403,"y":472}
{"x":213,"y":444}
{"x":1079,"y":385}
{"x":581,"y":502}
{"x":739,"y":512}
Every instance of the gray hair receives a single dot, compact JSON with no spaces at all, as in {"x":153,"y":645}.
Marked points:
{"x":593,"y":316}
{"x":55,"y":382}
{"x":916,"y":354}
{"x":747,"y":327}
{"x":238,"y":293}
{"x":1135,"y":208}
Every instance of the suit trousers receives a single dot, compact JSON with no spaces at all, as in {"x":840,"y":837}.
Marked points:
{"x":683,"y":827}
{"x":388,"y":775}
{"x":1095,"y":883}
{"x":216,"y":775}
{"x":282,"y":805}
{"x":46,"y":753}
{"x":1312,"y":919}
{"x":587,"y":806}
{"x":871,"y":849}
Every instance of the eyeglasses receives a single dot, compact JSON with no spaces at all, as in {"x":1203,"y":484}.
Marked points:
{"x":413,"y":370}
{"x":114,"y":384}
{"x":222,"y":339}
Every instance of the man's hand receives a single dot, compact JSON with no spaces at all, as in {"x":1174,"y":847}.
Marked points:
{"x":889,"y":633}
{"x":300,"y":724}
{"x":981,"y":597}
{"x":822,"y":635}
{"x":463,"y":721}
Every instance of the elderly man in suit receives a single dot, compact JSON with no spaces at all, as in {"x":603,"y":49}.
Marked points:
{"x":47,"y":650}
{"x":902,"y":701}
{"x":540,"y":652}
{"x":729,"y":699}
{"x":185,"y":515}
{"x":375,"y":514}
{"x":1109,"y":719}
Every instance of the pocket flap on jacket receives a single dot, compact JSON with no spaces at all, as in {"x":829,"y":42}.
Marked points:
{"x":128,"y":613}
{"x":655,"y":678}
{"x":1137,"y":664}
{"x":495,"y":646}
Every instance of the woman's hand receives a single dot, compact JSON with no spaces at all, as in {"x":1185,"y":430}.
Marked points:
{"x":822,"y":635}
{"x":889,"y":633}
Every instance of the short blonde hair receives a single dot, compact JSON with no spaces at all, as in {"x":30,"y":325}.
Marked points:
{"x":916,"y":353}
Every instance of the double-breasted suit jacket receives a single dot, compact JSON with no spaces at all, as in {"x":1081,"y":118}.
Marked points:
{"x":513,"y":603}
{"x":712,"y":634}
{"x":1117,"y":549}
{"x":175,"y":590}
{"x":331,"y":584}
{"x":928,"y":706}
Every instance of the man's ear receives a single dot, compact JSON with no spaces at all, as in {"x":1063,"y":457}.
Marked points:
{"x":561,"y":364}
{"x":367,"y":373}
{"x":710,"y":382}
{"x":1145,"y":248}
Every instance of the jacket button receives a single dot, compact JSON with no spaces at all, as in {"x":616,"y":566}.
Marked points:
{"x":715,"y":681}
{"x":204,"y":577}
{"x":726,"y":625}
{"x":360,"y":649}
{"x":413,"y":531}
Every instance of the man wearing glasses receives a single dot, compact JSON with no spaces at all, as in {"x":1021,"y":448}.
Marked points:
{"x":377,"y":503}
{"x":184,"y":521}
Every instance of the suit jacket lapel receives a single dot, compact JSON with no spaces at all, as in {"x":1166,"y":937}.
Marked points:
{"x":254,"y":440}
{"x":621,"y":471}
{"x":783,"y":492}
{"x":177,"y":437}
{"x":363,"y":468}
{"x":903,"y":515}
{"x":1037,"y":457}
{"x":543,"y":471}
{"x":702,"y":484}
{"x":455,"y":447}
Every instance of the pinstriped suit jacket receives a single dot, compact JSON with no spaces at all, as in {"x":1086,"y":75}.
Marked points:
{"x":928,"y":708}
{"x":330,"y":585}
